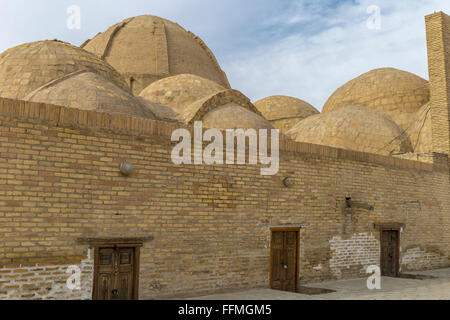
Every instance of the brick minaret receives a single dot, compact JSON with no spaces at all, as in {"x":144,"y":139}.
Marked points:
{"x":438,"y":43}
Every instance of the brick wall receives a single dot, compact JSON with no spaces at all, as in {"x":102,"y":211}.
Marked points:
{"x":361,"y":251}
{"x":46,"y":282}
{"x":60,"y":181}
{"x":418,"y":258}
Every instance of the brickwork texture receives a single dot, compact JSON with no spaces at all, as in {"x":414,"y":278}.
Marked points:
{"x":211,"y":225}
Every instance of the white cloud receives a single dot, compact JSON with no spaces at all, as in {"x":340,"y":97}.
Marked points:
{"x":311,"y":64}
{"x":303,"y":48}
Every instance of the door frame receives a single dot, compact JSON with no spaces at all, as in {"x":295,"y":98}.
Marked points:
{"x":297,"y":260}
{"x":397,"y":260}
{"x":136,"y":269}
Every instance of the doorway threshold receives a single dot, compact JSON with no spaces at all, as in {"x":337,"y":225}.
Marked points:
{"x":314,"y":291}
{"x":415,"y":276}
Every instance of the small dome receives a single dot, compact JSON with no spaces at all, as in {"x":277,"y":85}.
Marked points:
{"x":353,"y":128}
{"x":87,"y":90}
{"x":180,"y":91}
{"x":197,"y":110}
{"x":147,"y":48}
{"x":162,"y":112}
{"x":389,"y":91}
{"x":280,"y":107}
{"x":234,"y":116}
{"x":284,"y":112}
{"x":30,"y":66}
{"x":421,"y":131}
{"x":227,"y":109}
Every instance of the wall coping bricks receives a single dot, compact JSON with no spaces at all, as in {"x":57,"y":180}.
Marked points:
{"x":121,"y":124}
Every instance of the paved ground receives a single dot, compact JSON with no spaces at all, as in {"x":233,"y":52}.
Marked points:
{"x":356,"y":289}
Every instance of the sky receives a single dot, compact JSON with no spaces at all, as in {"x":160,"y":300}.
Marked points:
{"x":300,"y":48}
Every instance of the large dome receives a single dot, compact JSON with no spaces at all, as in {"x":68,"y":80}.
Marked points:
{"x":284,"y":112}
{"x":29,"y":66}
{"x":88,"y":90}
{"x":180,"y":91}
{"x":353,"y":128}
{"x":147,"y":48}
{"x":395,"y":93}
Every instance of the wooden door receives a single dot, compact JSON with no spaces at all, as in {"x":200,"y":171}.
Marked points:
{"x":390,"y":253}
{"x":284,"y":266}
{"x":116,"y":273}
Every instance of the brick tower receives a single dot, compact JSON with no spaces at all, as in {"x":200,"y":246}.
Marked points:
{"x":438,"y":43}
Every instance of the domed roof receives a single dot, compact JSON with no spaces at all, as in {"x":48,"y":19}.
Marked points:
{"x":234,"y":110}
{"x":88,"y":90}
{"x":234,"y":116}
{"x":285,"y":112}
{"x":421,"y":131}
{"x":197,"y":110}
{"x":30,"y":66}
{"x":281,"y":107}
{"x":148,"y":48}
{"x":387,"y":90}
{"x":353,"y":128}
{"x":180,"y":91}
{"x":161,"y":112}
